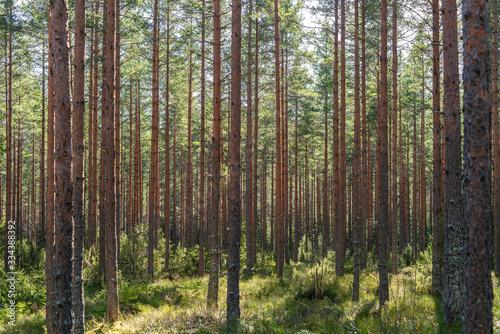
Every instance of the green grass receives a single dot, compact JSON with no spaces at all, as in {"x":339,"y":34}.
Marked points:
{"x":309,"y":299}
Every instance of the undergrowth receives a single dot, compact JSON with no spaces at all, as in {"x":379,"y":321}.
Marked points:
{"x":309,"y":298}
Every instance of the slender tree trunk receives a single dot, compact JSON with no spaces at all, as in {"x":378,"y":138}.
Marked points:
{"x":423,"y":190}
{"x":249,"y":221}
{"x":437,"y":223}
{"x":364,"y":174}
{"x":154,"y":173}
{"x":340,"y":257}
{"x":41,"y":198}
{"x":356,"y":194}
{"x":213,"y":281}
{"x":233,"y":261}
{"x":478,"y":294}
{"x":189,"y":176}
{"x":118,"y":126}
{"x":394,"y":227}
{"x":382,"y":142}
{"x":453,"y":256}
{"x":256,"y":143}
{"x":279,"y":192}
{"x":201,"y":261}
{"x":78,"y":142}
{"x":336,"y":161}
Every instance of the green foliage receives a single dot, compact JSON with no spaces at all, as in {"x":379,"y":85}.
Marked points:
{"x":29,"y":256}
{"x":406,"y":257}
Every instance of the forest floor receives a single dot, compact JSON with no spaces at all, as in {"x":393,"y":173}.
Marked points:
{"x":309,"y":299}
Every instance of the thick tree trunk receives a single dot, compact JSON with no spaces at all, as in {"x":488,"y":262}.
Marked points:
{"x":78,"y":133}
{"x":63,"y":251}
{"x":478,"y":296}
{"x":453,"y":256}
{"x":496,"y":141}
{"x":233,"y":261}
{"x":108,"y":160}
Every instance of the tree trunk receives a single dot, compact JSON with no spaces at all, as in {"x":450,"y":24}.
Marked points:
{"x":340,"y":257}
{"x":41,"y":198}
{"x":154,"y":172}
{"x":49,"y":271}
{"x":496,"y":141}
{"x":382,"y":142}
{"x":356,"y":194}
{"x":437,"y":223}
{"x":213,"y":281}
{"x":478,"y":296}
{"x":201,"y":256}
{"x":279,"y":192}
{"x":249,"y":222}
{"x":453,"y":252}
{"x":394,"y":227}
{"x":189,"y":174}
{"x":63,"y":252}
{"x":255,"y":143}
{"x":108,"y":160}
{"x":78,"y":133}
{"x":233,"y":261}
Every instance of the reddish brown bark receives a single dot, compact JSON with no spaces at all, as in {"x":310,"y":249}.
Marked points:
{"x":437,"y":224}
{"x":63,"y":218}
{"x":382,"y":143}
{"x":213,"y":282}
{"x":78,"y":142}
{"x":154,"y":169}
{"x":108,"y":161}
{"x":478,"y":294}
{"x":233,"y":261}
{"x":453,"y":252}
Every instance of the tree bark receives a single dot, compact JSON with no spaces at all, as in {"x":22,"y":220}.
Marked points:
{"x":213,"y":281}
{"x":63,"y":250}
{"x":340,"y":256}
{"x":233,"y":261}
{"x":496,"y":140}
{"x":356,"y":194}
{"x":201,"y":255}
{"x":453,"y":252}
{"x":154,"y":173}
{"x":78,"y":162}
{"x":382,"y":142}
{"x":394,"y":227}
{"x":478,"y":294}
{"x":249,"y":221}
{"x":437,"y":223}
{"x":108,"y":160}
